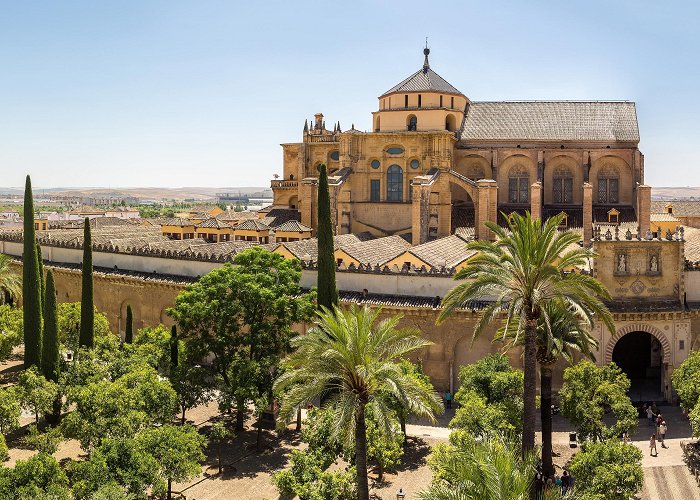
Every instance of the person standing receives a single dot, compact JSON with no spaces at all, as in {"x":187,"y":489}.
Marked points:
{"x":448,"y":399}
{"x":650,"y":416}
{"x":662,"y":434}
{"x":652,"y":446}
{"x":659,"y":419}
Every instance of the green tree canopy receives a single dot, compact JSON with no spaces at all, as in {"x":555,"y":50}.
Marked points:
{"x":242,"y":314}
{"x":490,"y":397}
{"x":123,"y":462}
{"x":480,"y":469}
{"x":178,"y":451}
{"x":686,"y":382}
{"x":10,"y":409}
{"x":353,"y":358}
{"x":36,"y":394}
{"x":38,"y":477}
{"x":10,"y":281}
{"x":119,"y":408}
{"x":69,"y":324}
{"x":589,"y":391}
{"x":11,"y":330}
{"x":608,"y":468}
{"x":524,"y":269}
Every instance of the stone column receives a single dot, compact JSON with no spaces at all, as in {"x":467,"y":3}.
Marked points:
{"x":587,"y":213}
{"x":420,"y":213}
{"x":307,"y":203}
{"x":643,"y":207}
{"x":536,"y":200}
{"x":486,"y":209}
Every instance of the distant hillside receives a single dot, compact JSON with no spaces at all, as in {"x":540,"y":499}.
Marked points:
{"x":674,"y":193}
{"x":148,"y":193}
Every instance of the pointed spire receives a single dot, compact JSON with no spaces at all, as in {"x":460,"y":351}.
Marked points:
{"x":426,"y":51}
{"x":335,"y":128}
{"x":306,"y":125}
{"x":339,"y":130}
{"x":353,"y":127}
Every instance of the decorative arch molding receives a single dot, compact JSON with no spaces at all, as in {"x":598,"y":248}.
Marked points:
{"x":638,"y":327}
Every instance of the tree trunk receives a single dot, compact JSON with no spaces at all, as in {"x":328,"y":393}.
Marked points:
{"x":402,"y":422}
{"x":546,"y":417}
{"x":258,"y":444}
{"x":219,"y":455}
{"x":299,"y":419}
{"x":170,"y":489}
{"x":182,"y":420}
{"x":240,"y":416}
{"x":361,"y":455}
{"x":530,"y":384}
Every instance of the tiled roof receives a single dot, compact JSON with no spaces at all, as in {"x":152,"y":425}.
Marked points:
{"x":551,"y":121}
{"x":213,"y":223}
{"x":443,"y":252}
{"x":232,"y":215}
{"x":278,"y":216}
{"x":177,"y":221}
{"x":309,"y":247}
{"x":692,"y":244}
{"x":680,"y":207}
{"x":293,"y":226}
{"x":378,"y":251}
{"x":253,"y":225}
{"x":424,"y":80}
{"x":663,"y":217}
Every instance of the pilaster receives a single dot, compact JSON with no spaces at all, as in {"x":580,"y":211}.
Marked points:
{"x":486,"y":209}
{"x":587,"y":213}
{"x":536,"y":200}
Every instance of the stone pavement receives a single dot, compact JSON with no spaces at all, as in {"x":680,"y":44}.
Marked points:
{"x":666,"y":476}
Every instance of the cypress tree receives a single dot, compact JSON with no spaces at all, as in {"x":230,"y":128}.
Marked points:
{"x":50,"y":352}
{"x":327,"y":291}
{"x":31,"y":285}
{"x":173,"y":348}
{"x":129,"y":328}
{"x":42,"y":281}
{"x":87,"y":305}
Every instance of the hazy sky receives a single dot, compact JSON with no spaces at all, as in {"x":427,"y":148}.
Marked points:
{"x":201,"y":93}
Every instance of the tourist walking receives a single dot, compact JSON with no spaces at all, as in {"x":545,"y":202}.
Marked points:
{"x":650,"y":416}
{"x":662,"y":434}
{"x":652,"y":446}
{"x":448,"y":399}
{"x":565,"y":482}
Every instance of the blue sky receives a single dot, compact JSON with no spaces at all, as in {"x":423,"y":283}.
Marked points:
{"x":201,"y":93}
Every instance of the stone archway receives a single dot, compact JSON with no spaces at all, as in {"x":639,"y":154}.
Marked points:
{"x":638,"y":327}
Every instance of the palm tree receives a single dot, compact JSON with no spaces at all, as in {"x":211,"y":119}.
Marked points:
{"x":560,"y":333}
{"x":352,"y":360}
{"x":483,"y":468}
{"x":524,"y":269}
{"x":10,"y":282}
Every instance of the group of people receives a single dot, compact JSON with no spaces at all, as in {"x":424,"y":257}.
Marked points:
{"x":655,"y":418}
{"x":546,"y":485}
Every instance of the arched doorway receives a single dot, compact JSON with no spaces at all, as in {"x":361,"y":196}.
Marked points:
{"x":641,"y":356}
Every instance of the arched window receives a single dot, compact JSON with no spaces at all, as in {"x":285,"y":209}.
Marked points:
{"x":450,"y":122}
{"x":377,"y":126}
{"x":394,"y":183}
{"x":412,"y":122}
{"x":562,"y":185}
{"x":608,"y":185}
{"x":518,"y":184}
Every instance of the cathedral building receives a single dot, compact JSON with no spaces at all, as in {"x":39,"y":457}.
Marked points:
{"x":436,"y":161}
